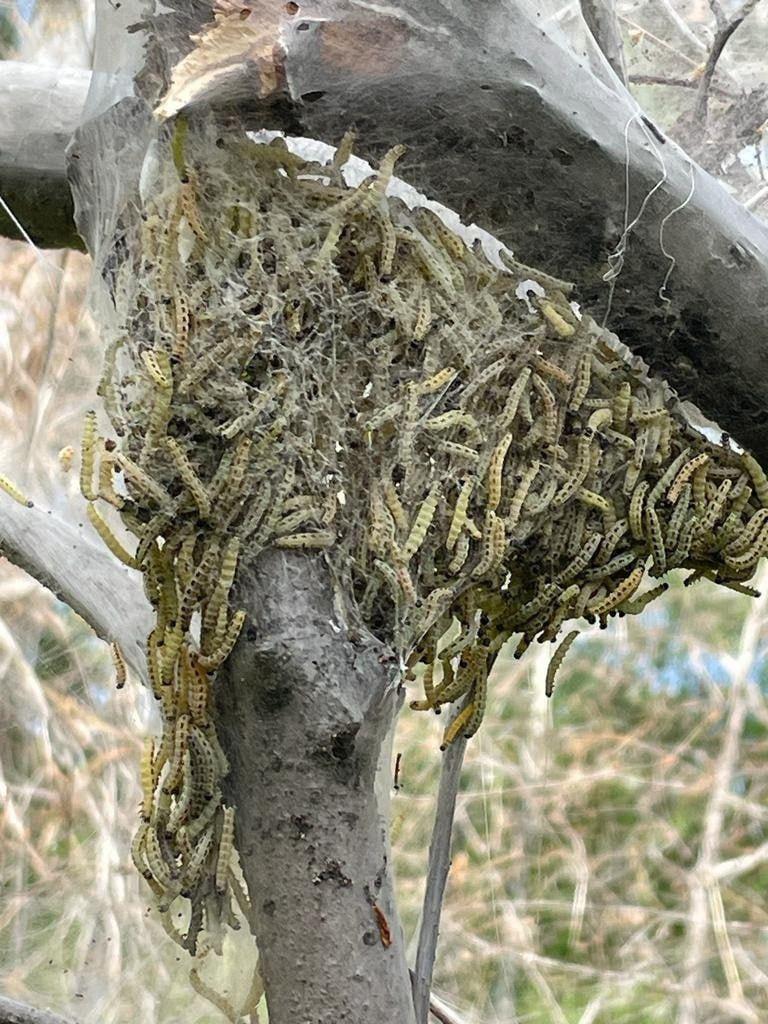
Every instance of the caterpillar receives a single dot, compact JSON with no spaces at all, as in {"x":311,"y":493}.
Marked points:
{"x":225,"y":850}
{"x":458,"y":725}
{"x":509,"y":412}
{"x":66,"y":456}
{"x":636,"y":606}
{"x":423,"y":319}
{"x":495,"y":470}
{"x":578,"y":474}
{"x":214,"y":998}
{"x":121,"y":671}
{"x":223,"y":585}
{"x":549,"y":369}
{"x":557,"y":659}
{"x":656,"y":537}
{"x":581,"y":382}
{"x":437,"y":381}
{"x":158,"y":367}
{"x":550,"y":409}
{"x":685,"y":475}
{"x":386,"y":168}
{"x":87,"y":457}
{"x":148,"y":778}
{"x":619,"y":594}
{"x":211,"y":661}
{"x":449,"y":420}
{"x":106,"y":534}
{"x":13,"y":492}
{"x":493,"y":545}
{"x":318,"y":541}
{"x":560,"y":325}
{"x":620,"y":407}
{"x":189,"y":477}
{"x":421,"y":524}
{"x":635,"y":513}
{"x":142,"y":481}
{"x":521,"y":493}
{"x":188,"y":198}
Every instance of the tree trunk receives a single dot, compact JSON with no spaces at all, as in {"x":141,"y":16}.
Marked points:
{"x":304,"y":707}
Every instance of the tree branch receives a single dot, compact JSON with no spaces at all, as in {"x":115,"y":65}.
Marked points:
{"x":84,"y":575}
{"x":600,"y":16}
{"x":677,"y":83}
{"x":725,"y":29}
{"x":438,"y":865}
{"x":39,"y":109}
{"x":12,"y":1012}
{"x":506,"y":128}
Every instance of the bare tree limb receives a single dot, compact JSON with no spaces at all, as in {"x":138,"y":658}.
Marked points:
{"x":729,"y":869}
{"x":12,"y":1012}
{"x":677,"y":83}
{"x":82,"y":574}
{"x":39,"y":109}
{"x":438,"y":865}
{"x":757,"y":198}
{"x":725,"y":29}
{"x":441,"y":1012}
{"x":600,"y":16}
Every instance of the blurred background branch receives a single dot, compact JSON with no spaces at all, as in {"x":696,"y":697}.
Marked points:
{"x":12,"y":1012}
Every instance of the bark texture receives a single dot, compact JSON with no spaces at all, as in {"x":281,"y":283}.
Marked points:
{"x":304,"y":706}
{"x":12,"y":1012}
{"x":81,"y":573}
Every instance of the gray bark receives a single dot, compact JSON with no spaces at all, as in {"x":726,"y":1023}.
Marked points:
{"x":303,"y":708}
{"x":600,"y":16}
{"x":12,"y":1012}
{"x":39,"y":109}
{"x":81,"y":573}
{"x":509,"y":129}
{"x":438,"y":866}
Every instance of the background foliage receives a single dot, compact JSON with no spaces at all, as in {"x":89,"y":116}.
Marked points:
{"x":611,"y":851}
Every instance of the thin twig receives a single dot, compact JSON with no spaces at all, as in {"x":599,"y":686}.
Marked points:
{"x":725,"y":29}
{"x":705,"y":900}
{"x":437,"y":1008}
{"x":600,"y":16}
{"x":658,"y":41}
{"x":678,"y":83}
{"x":757,"y":198}
{"x":12,"y":1012}
{"x":682,"y":27}
{"x":439,"y":862}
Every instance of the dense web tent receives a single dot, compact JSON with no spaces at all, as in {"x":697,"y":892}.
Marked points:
{"x":363,"y":420}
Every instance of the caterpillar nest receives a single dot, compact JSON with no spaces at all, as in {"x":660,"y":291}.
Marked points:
{"x":302,"y":364}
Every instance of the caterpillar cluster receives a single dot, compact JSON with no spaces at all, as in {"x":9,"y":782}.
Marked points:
{"x":303,"y":364}
{"x":184,"y":843}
